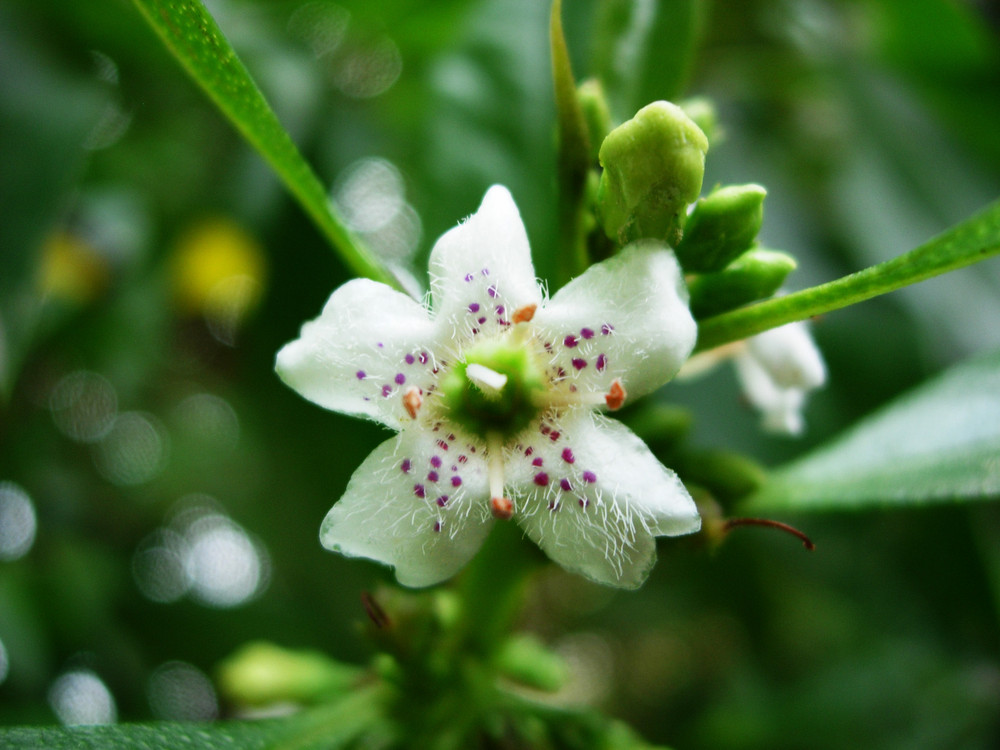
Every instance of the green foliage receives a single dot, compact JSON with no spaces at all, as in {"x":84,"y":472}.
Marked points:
{"x":939,"y":443}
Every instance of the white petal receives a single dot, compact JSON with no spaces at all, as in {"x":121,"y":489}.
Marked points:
{"x":624,"y":318}
{"x":781,"y":408}
{"x":790,"y":355}
{"x":481,"y":270}
{"x":419,"y":502}
{"x":369,"y":345}
{"x":594,"y":497}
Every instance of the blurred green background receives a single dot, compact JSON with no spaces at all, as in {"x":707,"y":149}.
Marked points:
{"x":161,"y":490}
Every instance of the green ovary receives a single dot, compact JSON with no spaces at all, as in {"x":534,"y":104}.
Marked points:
{"x":483,"y":410}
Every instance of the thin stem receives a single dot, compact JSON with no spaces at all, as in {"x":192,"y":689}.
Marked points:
{"x":732,"y":523}
{"x":968,"y":242}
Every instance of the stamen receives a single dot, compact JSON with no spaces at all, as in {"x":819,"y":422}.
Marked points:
{"x":501,"y":507}
{"x":616,"y":396}
{"x":487,"y":380}
{"x":523,"y":314}
{"x":412,"y":401}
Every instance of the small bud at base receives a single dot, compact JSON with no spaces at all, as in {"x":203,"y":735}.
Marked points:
{"x":412,"y":401}
{"x":616,"y":396}
{"x":502,"y":508}
{"x":524,"y":314}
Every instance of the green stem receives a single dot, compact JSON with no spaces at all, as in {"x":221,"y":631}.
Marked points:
{"x":968,"y":242}
{"x":195,"y":40}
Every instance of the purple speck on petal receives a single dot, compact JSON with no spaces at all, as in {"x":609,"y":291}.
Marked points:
{"x":570,"y":341}
{"x":545,"y":429}
{"x":474,"y":307}
{"x":565,"y":485}
{"x":529,"y":450}
{"x":587,"y":333}
{"x":606,"y":329}
{"x":423,"y":358}
{"x":463,"y":458}
{"x":441,"y":501}
{"x":406,"y":465}
{"x":379,"y":344}
{"x":386,"y":390}
{"x":492,"y":291}
{"x":567,"y":456}
{"x":579,"y":364}
{"x":410,"y":359}
{"x":432,"y":476}
{"x":584,"y":503}
{"x":442,"y":445}
{"x":361,"y":374}
{"x":400,"y":378}
{"x":456,"y":481}
{"x":418,"y":490}
{"x":500,"y":310}
{"x":468,"y":277}
{"x":553,"y":505}
{"x":436,"y":462}
{"x":555,"y":435}
{"x":481,"y":320}
{"x":451,"y":437}
{"x":537,"y":461}
{"x":437,"y":526}
{"x":589,"y":477}
{"x":541,"y":479}
{"x":485,"y":272}
{"x":602,"y":362}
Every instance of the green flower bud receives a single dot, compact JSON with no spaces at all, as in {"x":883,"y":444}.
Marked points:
{"x":756,"y":274}
{"x":653,"y":168}
{"x":596,"y":113}
{"x":728,"y":476}
{"x":524,"y":659}
{"x":702,"y":111}
{"x":261,"y":673}
{"x":721,"y":227}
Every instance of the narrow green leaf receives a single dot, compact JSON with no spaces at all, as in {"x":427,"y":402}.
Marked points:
{"x":194,"y":38}
{"x":968,"y":242}
{"x":327,"y":728}
{"x":938,"y":443}
{"x":573,"y":161}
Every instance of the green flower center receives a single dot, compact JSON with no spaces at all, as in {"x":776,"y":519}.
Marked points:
{"x":491,"y":391}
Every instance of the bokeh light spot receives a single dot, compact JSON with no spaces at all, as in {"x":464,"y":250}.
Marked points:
{"x":17,"y":522}
{"x":134,"y":450}
{"x":80,"y":697}
{"x":181,"y":692}
{"x":84,"y":406}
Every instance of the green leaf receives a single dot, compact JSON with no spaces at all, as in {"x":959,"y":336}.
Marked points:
{"x":194,"y":38}
{"x":327,"y":728}
{"x":967,"y":242}
{"x":644,"y":51}
{"x":938,"y":443}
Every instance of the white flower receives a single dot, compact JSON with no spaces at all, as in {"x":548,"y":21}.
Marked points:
{"x":777,"y":369}
{"x":493,"y":390}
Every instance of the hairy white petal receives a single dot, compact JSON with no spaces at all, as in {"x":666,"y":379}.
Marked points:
{"x":419,"y":503}
{"x":626,"y":318}
{"x":367,"y":348}
{"x":594,"y":497}
{"x":481,"y":270}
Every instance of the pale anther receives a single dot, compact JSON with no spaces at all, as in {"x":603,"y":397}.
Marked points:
{"x":487,"y":380}
{"x":412,"y":401}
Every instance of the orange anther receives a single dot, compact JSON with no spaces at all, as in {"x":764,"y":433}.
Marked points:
{"x":524,"y":314}
{"x":616,"y":396}
{"x":502,"y":508}
{"x":412,"y":400}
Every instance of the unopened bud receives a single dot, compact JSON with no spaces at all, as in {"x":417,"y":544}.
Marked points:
{"x":596,"y":113}
{"x":722,"y":226}
{"x":653,"y":168}
{"x":756,"y":274}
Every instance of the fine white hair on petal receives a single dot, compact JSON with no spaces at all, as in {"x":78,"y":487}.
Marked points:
{"x":626,"y":318}
{"x":391,"y":511}
{"x":368,"y":346}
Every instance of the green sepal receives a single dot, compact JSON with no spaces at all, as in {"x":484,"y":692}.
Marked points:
{"x":756,"y":274}
{"x":653,"y":168}
{"x":722,"y":226}
{"x":726,"y":475}
{"x":261,"y":673}
{"x":524,"y":659}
